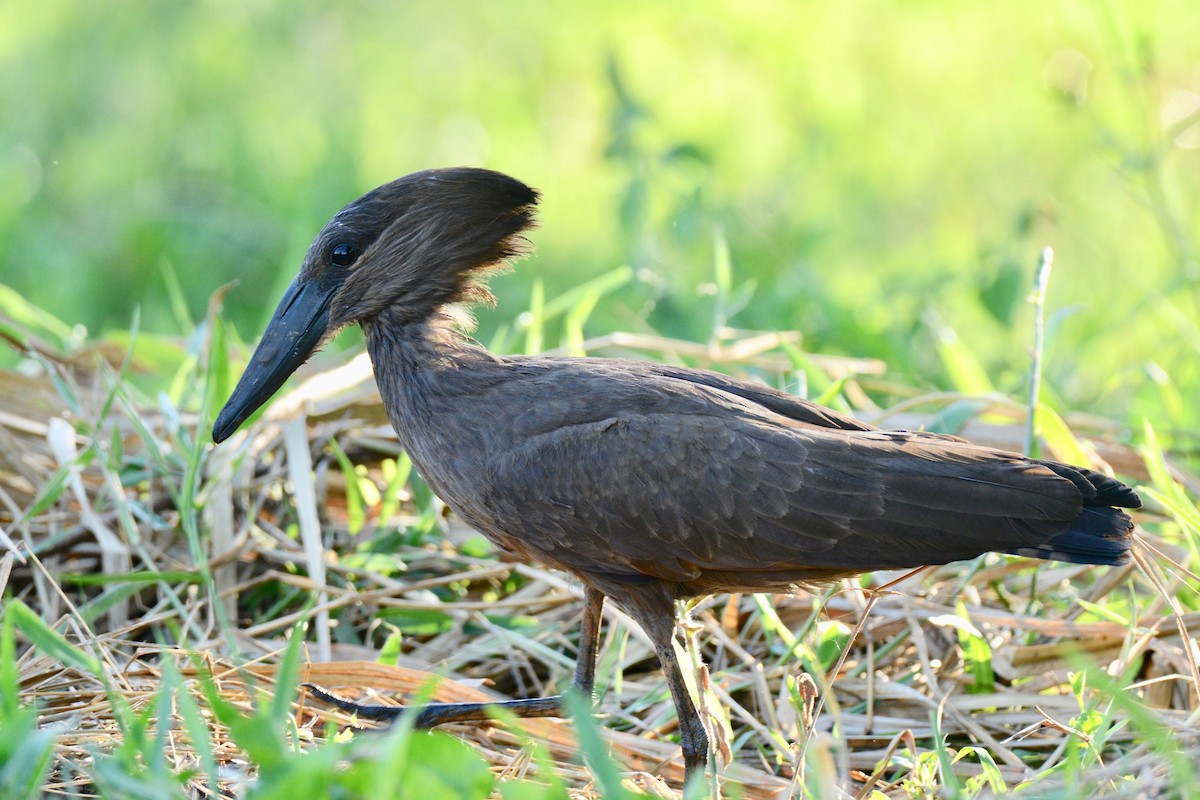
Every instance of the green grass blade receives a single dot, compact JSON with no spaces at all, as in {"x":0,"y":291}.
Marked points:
{"x":49,"y":641}
{"x":963,"y":368}
{"x":534,"y":318}
{"x":592,"y":748}
{"x":356,"y":507}
{"x":194,"y":726}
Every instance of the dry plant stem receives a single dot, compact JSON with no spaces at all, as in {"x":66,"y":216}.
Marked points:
{"x":739,"y":711}
{"x":870,"y":676}
{"x":885,"y":762}
{"x":994,"y":404}
{"x":382,"y":597}
{"x":1164,"y":558}
{"x":6,"y":568}
{"x":872,"y":598}
{"x":967,"y":723}
{"x":769,"y":727}
{"x":1186,"y":642}
{"x":748,"y":351}
{"x":86,"y":635}
{"x":299,"y":461}
{"x":801,"y":761}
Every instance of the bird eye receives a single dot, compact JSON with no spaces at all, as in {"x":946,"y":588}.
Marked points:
{"x":343,"y":255}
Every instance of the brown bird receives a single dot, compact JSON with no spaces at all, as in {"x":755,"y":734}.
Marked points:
{"x":649,"y":483}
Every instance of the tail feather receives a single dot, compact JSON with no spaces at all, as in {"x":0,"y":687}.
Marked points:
{"x":1097,"y":489}
{"x":1099,"y":535}
{"x":1102,"y":533}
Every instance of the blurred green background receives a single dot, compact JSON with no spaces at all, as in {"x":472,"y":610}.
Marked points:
{"x":885,"y":175}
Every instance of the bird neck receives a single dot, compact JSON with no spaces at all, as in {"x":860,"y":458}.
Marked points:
{"x":395,"y":337}
{"x":421,"y":368}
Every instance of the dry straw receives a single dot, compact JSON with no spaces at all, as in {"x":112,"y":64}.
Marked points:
{"x":978,"y":657}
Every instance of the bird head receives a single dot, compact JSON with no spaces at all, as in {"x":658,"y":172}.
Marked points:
{"x":400,"y":252}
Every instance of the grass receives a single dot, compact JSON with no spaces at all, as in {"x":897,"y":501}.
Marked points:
{"x":175,"y":672}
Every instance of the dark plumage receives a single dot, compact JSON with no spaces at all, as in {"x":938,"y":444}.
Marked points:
{"x":650,"y":483}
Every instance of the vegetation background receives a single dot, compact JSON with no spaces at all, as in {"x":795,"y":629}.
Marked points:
{"x":884,"y":174}
{"x":881,"y":178}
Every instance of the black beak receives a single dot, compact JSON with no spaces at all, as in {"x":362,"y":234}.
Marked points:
{"x":298,"y":326}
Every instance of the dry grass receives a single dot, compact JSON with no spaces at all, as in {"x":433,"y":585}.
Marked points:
{"x":910,"y":693}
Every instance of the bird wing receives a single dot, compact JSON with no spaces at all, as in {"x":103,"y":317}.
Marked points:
{"x":782,"y":403}
{"x":761,"y":395}
{"x":672,"y":496}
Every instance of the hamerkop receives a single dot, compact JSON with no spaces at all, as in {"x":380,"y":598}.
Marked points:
{"x":649,"y":483}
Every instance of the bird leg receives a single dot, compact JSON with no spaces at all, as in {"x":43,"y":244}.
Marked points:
{"x":658,"y":621}
{"x":693,"y":739}
{"x":589,"y":641}
{"x":427,"y":716}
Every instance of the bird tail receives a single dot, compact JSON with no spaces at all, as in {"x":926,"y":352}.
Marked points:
{"x":1102,"y":533}
{"x":1099,"y":535}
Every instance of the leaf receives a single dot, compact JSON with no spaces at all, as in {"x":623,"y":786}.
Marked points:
{"x":441,"y":765}
{"x":395,"y":472}
{"x":356,"y":507}
{"x":1058,"y":437}
{"x":832,"y":639}
{"x":954,"y":417}
{"x":600,"y":285}
{"x":1002,"y":295}
{"x":963,"y":369}
{"x":418,"y":621}
{"x":991,"y":771}
{"x":14,"y":305}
